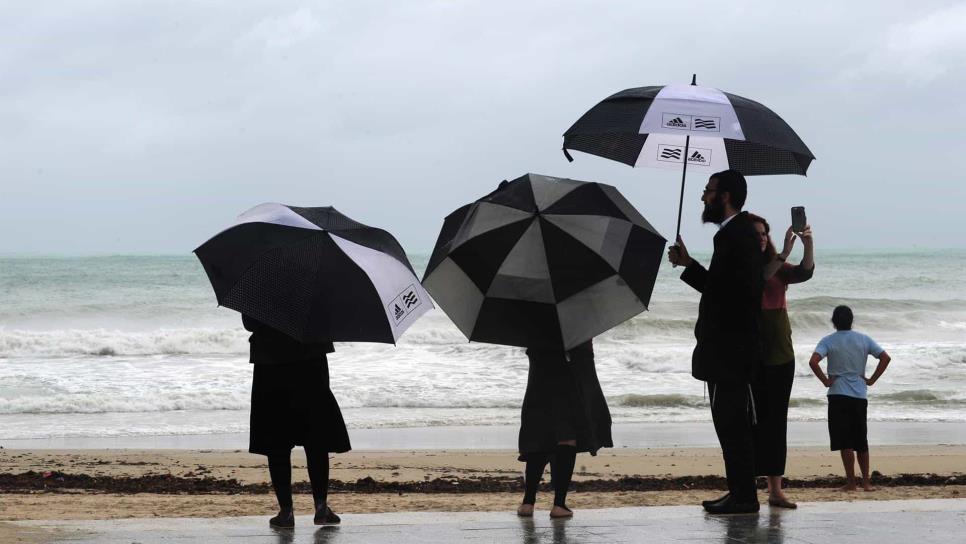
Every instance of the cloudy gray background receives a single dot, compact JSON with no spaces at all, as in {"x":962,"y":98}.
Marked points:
{"x":145,"y":127}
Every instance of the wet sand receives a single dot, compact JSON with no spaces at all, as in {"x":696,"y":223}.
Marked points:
{"x":99,"y":484}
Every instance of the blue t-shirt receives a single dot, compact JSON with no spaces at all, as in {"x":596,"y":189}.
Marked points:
{"x":847,"y":353}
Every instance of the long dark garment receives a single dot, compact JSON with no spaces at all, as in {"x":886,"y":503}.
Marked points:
{"x":563,"y":402}
{"x":280,"y":469}
{"x":731,"y":411}
{"x":772,"y":390}
{"x":292,"y":404}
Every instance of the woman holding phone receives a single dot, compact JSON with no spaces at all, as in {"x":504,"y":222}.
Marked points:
{"x":773,"y":387}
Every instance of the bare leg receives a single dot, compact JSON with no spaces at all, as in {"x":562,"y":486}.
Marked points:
{"x":864,"y":467}
{"x":848,"y":461}
{"x":775,"y":488}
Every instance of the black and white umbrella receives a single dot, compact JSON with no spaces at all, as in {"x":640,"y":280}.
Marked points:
{"x":315,"y":275}
{"x":544,"y":262}
{"x":660,"y":126}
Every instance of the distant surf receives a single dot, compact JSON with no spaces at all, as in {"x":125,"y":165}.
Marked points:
{"x":136,"y":346}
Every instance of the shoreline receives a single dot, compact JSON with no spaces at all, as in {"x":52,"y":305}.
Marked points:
{"x":504,"y":437}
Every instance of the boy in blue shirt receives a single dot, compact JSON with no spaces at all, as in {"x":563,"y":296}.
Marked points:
{"x":847,"y":352}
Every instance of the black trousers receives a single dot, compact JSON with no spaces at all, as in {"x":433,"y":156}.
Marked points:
{"x":731,"y":410}
{"x":772,"y":390}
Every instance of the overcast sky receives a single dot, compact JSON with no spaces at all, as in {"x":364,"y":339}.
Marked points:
{"x":145,"y":127}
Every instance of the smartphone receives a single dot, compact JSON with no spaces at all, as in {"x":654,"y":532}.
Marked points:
{"x":798,"y":219}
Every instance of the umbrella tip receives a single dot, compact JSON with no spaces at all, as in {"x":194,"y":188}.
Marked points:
{"x":694,"y":79}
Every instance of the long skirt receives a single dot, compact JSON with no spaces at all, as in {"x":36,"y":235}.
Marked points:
{"x":772,"y":390}
{"x":292,"y":405}
{"x":563,"y":402}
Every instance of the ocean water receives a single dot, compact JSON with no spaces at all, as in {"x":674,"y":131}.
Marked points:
{"x":136,"y":346}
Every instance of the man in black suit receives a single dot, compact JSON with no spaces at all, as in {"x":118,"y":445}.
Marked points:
{"x":728,"y":350}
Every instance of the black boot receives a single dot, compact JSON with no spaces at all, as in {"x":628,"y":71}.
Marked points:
{"x":325,"y":516}
{"x":284,"y":520}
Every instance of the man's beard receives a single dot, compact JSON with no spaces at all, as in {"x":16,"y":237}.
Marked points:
{"x":714,"y":211}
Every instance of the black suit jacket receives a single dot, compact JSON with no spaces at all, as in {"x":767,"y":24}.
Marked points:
{"x":728,"y":338}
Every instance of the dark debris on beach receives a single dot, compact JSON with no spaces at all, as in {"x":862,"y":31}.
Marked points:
{"x":59,"y":482}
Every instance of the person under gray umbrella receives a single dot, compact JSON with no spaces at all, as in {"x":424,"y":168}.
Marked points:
{"x":564,"y":413}
{"x":547,"y":264}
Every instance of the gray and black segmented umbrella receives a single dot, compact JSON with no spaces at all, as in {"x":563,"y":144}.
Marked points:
{"x":314,"y":274}
{"x":544,"y":262}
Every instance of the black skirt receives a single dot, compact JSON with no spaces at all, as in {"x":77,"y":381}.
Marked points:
{"x":772,"y":390}
{"x":292,"y":405}
{"x":563,"y":402}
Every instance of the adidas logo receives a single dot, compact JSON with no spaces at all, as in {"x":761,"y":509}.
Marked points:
{"x":398,"y":312}
{"x":410,"y":299}
{"x":677,"y":122}
{"x":707,"y":124}
{"x":671,"y":153}
{"x":697,"y":157}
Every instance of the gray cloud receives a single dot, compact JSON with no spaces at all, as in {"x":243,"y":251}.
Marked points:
{"x":145,"y":127}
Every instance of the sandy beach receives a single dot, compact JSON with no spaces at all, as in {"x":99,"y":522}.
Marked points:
{"x":99,"y":484}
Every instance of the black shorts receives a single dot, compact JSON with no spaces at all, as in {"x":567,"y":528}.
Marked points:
{"x":847,"y":429}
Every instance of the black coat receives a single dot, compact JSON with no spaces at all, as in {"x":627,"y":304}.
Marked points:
{"x":727,"y":331}
{"x":292,"y":404}
{"x":269,"y":346}
{"x":563,"y":401}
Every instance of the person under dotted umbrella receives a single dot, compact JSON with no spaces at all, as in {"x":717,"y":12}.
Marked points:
{"x":293,"y":405}
{"x":303,"y":278}
{"x":547,"y":264}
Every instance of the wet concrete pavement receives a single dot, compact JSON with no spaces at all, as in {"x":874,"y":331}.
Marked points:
{"x":879,"y":522}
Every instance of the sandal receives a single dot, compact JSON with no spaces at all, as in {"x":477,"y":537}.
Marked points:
{"x":782,"y":503}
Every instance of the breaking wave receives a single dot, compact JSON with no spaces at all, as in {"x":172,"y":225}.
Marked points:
{"x":108,"y":343}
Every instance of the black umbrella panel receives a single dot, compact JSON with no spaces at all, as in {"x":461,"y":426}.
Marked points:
{"x":544,"y":262}
{"x":686,"y":127}
{"x":315,"y":275}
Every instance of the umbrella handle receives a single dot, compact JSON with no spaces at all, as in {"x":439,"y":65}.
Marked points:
{"x":684,"y":173}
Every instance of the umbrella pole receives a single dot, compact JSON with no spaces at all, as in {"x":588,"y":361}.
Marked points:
{"x":684,"y":173}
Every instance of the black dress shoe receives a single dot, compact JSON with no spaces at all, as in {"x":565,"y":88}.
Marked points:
{"x":719,"y":499}
{"x":731,"y":506}
{"x":284,"y":520}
